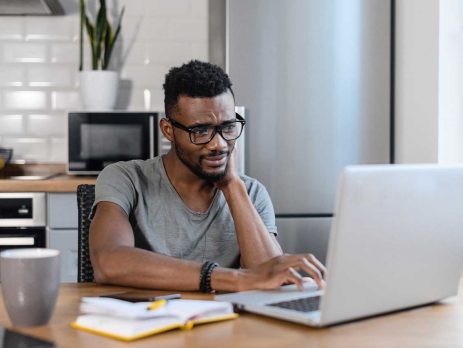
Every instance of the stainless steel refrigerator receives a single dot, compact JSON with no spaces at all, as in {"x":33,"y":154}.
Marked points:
{"x":315,"y":78}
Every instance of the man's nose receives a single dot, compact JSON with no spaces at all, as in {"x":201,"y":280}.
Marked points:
{"x":217,"y":142}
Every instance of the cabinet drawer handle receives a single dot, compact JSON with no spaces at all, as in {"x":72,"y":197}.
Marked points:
{"x":17,"y":241}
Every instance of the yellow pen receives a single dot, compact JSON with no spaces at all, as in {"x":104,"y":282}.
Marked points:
{"x":157,"y":304}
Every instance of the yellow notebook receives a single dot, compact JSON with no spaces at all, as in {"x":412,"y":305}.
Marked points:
{"x":129,"y":321}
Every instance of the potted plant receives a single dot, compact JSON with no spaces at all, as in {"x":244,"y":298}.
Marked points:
{"x":98,"y":86}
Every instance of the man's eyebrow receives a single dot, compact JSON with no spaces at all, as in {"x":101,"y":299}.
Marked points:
{"x":194,"y":125}
{"x":229,"y":121}
{"x":210,"y":124}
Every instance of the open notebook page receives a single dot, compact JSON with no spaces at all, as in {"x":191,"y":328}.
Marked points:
{"x":183,"y":310}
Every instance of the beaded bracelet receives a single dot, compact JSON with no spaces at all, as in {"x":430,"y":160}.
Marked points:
{"x":206,"y":275}
{"x":201,"y":274}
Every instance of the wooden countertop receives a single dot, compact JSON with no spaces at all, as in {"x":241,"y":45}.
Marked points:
{"x":59,"y":183}
{"x":54,"y":179}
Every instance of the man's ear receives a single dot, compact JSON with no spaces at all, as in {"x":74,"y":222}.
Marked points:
{"x":166,"y":129}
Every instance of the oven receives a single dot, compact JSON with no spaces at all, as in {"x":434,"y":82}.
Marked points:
{"x":22,"y":220}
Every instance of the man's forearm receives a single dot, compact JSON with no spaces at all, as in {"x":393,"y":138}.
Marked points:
{"x":255,"y":242}
{"x":130,"y":266}
{"x":144,"y":269}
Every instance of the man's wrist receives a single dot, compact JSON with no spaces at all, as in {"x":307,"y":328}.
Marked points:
{"x":227,"y":279}
{"x":232,"y":185}
{"x":205,"y":276}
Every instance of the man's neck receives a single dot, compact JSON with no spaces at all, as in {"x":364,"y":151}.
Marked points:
{"x":195,"y":192}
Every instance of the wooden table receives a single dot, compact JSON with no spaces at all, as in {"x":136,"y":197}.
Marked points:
{"x":440,"y":325}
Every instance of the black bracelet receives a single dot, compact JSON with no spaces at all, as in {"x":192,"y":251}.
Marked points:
{"x":206,"y":275}
{"x":201,"y":274}
{"x":207,"y":280}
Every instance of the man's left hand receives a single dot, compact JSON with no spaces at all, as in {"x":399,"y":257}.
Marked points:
{"x":232,"y":174}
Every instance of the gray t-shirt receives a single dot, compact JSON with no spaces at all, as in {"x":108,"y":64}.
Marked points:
{"x":163,"y":223}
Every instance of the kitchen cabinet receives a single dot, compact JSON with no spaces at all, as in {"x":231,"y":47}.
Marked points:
{"x":62,"y":231}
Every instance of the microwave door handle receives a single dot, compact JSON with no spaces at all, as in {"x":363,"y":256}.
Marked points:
{"x":151,"y":136}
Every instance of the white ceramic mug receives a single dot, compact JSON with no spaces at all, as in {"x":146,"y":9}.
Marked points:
{"x":30,"y":284}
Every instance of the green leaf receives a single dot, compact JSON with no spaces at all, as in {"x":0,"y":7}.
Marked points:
{"x":101,"y":22}
{"x":91,"y":36}
{"x":81,"y":36}
{"x":110,"y":46}
{"x":107,"y":44}
{"x":118,"y":29}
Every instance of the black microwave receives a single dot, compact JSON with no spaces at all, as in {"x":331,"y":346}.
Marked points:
{"x":96,"y":139}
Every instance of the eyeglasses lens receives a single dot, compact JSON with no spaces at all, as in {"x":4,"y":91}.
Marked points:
{"x":229,"y":131}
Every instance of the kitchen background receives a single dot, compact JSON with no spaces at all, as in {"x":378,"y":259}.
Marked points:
{"x":39,"y":84}
{"x":39,"y":58}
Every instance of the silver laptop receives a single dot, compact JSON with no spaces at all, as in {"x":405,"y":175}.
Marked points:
{"x":396,"y":242}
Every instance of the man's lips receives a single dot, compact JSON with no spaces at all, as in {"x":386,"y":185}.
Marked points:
{"x":215,"y":160}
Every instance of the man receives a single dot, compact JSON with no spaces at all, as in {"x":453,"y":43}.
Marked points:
{"x":187,"y":220}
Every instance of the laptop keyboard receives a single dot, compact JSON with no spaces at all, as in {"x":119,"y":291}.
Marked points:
{"x":306,"y":304}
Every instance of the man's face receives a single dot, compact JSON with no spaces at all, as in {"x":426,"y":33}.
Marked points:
{"x":208,"y":161}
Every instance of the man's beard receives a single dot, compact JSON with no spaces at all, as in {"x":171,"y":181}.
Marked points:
{"x":196,"y":167}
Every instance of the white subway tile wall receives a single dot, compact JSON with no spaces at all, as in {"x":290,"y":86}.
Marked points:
{"x":12,"y":125}
{"x":39,"y":57}
{"x":58,"y":148}
{"x":12,"y":75}
{"x":31,"y":148}
{"x":11,"y":29}
{"x":25,"y":100}
{"x":46,"y":125}
{"x":24,"y":52}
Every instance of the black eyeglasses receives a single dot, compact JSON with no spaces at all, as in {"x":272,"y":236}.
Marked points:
{"x":202,"y":134}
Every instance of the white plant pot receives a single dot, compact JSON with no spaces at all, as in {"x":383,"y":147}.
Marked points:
{"x":98,"y":89}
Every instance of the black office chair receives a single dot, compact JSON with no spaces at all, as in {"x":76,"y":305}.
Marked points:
{"x":85,"y":199}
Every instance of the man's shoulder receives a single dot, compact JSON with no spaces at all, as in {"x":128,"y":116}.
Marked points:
{"x":133,"y":170}
{"x":134,"y":166}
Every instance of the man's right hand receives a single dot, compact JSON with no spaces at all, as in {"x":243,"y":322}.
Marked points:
{"x":281,"y":270}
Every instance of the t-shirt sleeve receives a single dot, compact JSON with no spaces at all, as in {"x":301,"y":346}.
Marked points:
{"x":114,"y":184}
{"x":263,"y":204}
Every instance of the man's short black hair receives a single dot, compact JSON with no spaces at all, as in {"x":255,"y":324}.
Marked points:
{"x":194,"y":79}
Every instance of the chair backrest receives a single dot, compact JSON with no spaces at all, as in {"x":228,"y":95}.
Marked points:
{"x":85,"y":199}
